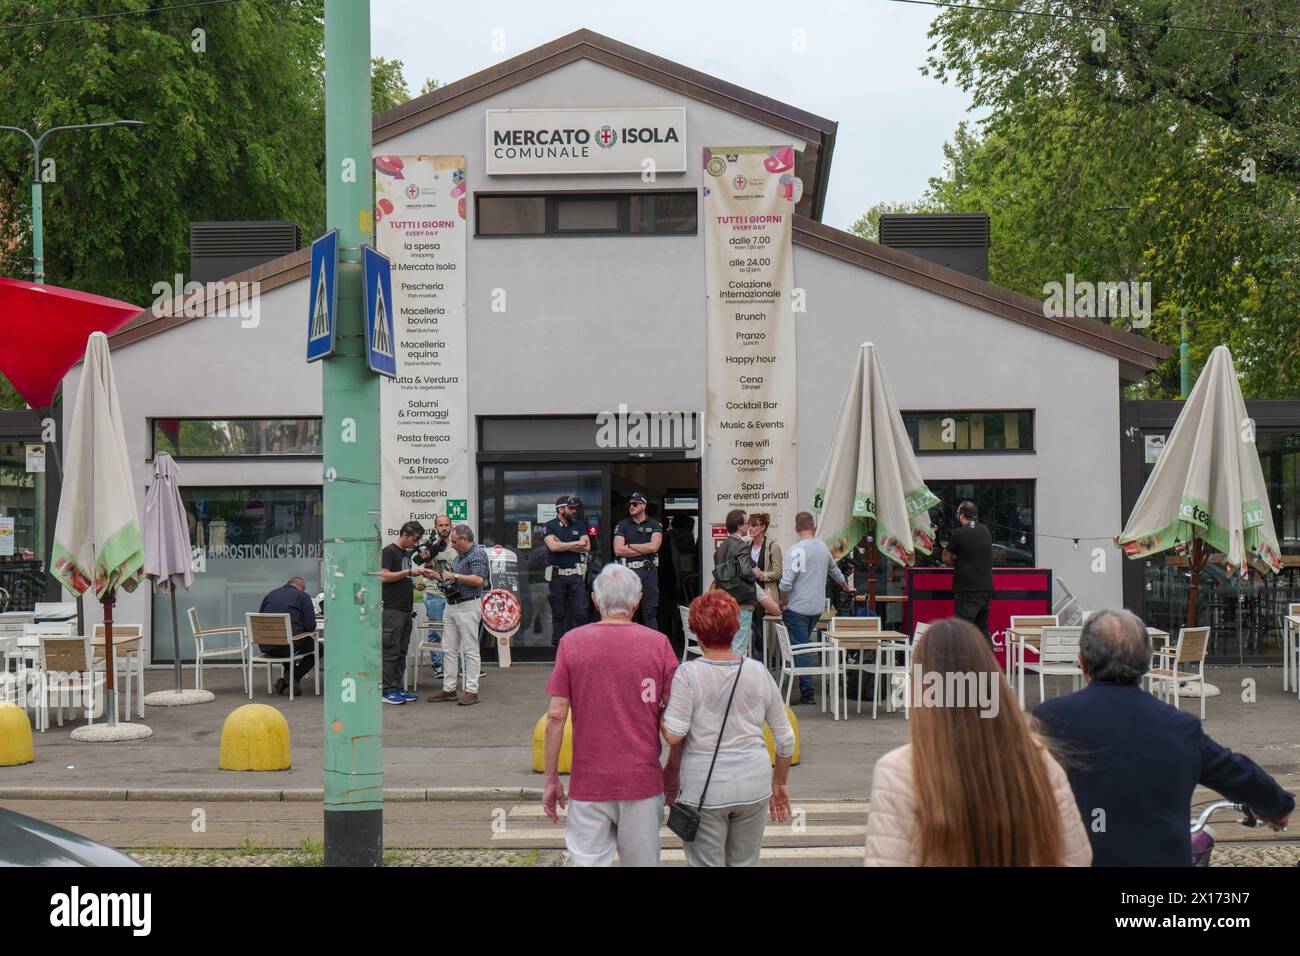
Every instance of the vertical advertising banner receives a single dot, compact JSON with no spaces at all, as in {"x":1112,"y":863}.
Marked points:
{"x":420,"y":226}
{"x":749,"y":198}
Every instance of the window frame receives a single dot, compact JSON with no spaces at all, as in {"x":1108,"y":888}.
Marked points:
{"x":552,"y":200}
{"x":152,"y":424}
{"x":970,"y":412}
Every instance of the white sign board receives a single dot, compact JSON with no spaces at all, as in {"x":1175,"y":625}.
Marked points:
{"x":6,"y":537}
{"x":586,"y":141}
{"x":420,"y":226}
{"x":35,"y":459}
{"x":1154,"y":445}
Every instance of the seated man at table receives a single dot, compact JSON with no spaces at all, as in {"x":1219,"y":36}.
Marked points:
{"x":1135,"y":761}
{"x":291,"y":598}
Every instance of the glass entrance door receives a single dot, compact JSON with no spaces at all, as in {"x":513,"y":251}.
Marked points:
{"x":517,"y":501}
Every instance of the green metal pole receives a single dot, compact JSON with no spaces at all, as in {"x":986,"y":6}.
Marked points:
{"x":38,"y":232}
{"x":354,"y":815}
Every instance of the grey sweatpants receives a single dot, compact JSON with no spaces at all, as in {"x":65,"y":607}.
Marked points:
{"x":728,"y":836}
{"x":396,"y":645}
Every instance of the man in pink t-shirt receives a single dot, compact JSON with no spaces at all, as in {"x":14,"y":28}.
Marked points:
{"x":616,"y":676}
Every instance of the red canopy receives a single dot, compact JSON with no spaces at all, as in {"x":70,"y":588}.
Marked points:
{"x":43,"y":333}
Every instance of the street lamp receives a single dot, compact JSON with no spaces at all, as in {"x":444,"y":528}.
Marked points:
{"x":38,"y":236}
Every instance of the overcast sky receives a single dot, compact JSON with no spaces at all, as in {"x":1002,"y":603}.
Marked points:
{"x":860,"y":67}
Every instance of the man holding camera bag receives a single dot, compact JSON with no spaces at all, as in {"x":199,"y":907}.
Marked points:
{"x":462,"y":585}
{"x":733,"y":572}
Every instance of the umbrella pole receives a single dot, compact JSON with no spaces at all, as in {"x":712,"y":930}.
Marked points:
{"x":1197,"y":562}
{"x":110,"y":702}
{"x":176,"y":640}
{"x":873,"y":559}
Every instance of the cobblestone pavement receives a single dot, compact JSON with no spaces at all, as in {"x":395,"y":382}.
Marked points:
{"x":312,"y":856}
{"x":1256,"y":854}
{"x":1228,"y":855}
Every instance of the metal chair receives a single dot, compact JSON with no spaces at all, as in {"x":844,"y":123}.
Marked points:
{"x":65,"y":666}
{"x":123,"y":634}
{"x":202,"y":652}
{"x":1058,"y":654}
{"x":274,"y":630}
{"x":827,"y":651}
{"x":1190,"y":649}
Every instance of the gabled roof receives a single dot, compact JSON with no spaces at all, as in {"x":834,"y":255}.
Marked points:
{"x":812,"y":166}
{"x":1137,"y":355}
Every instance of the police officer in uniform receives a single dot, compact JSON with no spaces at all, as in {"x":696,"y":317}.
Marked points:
{"x":568,"y":544}
{"x":637,"y":540}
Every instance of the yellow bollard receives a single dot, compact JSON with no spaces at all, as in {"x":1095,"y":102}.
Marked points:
{"x":771,"y":745}
{"x":539,"y":745}
{"x":15,"y":736}
{"x":255,"y":737}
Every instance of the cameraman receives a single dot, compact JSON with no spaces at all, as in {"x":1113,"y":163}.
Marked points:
{"x":436,"y":553}
{"x":463,"y":584}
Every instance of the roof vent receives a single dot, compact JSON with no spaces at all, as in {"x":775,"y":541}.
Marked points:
{"x":957,"y":240}
{"x":219,"y":250}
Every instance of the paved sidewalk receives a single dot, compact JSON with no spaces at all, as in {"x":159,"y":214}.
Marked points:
{"x":435,"y":747}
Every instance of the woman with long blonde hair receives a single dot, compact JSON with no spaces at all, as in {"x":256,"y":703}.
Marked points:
{"x":977,"y":786}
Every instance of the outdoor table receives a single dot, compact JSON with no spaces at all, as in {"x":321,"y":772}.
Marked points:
{"x":1290,"y":633}
{"x":1033,"y":636}
{"x":842,"y":647}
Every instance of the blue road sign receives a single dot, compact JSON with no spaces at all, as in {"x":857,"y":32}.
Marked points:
{"x":324,"y":296}
{"x":381,"y":352}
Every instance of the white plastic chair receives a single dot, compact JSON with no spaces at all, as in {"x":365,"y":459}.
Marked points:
{"x":1015,"y":655}
{"x":134,"y":659}
{"x":689,"y":644}
{"x":220,"y":636}
{"x":1193,"y":642}
{"x":1291,"y":650}
{"x":65,"y":664}
{"x":1058,"y":654}
{"x":828,"y":667}
{"x":275,"y":630}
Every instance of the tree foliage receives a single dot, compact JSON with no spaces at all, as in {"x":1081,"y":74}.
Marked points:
{"x":233,"y":95}
{"x":1119,"y":152}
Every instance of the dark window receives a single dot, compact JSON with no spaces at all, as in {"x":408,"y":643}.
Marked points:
{"x":586,"y":214}
{"x":237,"y":437}
{"x":511,"y":215}
{"x":1005,"y":507}
{"x":970,"y":431}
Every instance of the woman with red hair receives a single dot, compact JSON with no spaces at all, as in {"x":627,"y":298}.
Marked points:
{"x":714,"y":723}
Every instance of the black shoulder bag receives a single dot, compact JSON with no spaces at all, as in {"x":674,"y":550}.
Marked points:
{"x":683,"y":819}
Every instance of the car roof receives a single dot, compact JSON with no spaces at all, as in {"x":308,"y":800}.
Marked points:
{"x":27,"y":841}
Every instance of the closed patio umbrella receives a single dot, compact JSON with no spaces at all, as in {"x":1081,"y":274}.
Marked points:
{"x":870,"y":484}
{"x":167,"y":562}
{"x":97,"y":539}
{"x":1207,"y":489}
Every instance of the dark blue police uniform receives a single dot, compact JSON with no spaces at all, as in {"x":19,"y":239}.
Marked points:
{"x":567,"y":589}
{"x":646,"y":566}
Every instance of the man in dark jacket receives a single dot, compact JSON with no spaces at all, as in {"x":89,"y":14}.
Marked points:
{"x":1134,"y":761}
{"x":735,"y":548}
{"x":291,"y":598}
{"x":970,"y":552}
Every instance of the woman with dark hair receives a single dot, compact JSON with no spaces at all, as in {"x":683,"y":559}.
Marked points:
{"x":977,"y":786}
{"x":766,"y":555}
{"x":716,"y":712}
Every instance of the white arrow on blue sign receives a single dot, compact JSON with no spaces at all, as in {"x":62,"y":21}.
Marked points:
{"x":381,"y":351}
{"x":324,"y":296}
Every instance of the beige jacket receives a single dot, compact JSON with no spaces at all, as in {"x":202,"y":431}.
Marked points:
{"x":773,"y":565}
{"x":893,"y":837}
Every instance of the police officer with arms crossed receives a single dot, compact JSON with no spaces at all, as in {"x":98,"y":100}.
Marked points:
{"x":637,"y":540}
{"x":568,"y":545}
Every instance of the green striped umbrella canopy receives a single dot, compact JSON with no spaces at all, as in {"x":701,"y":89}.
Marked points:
{"x":1208,"y":485}
{"x":870,"y":483}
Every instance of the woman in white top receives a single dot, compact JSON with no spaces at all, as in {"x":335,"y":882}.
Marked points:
{"x":744,"y":788}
